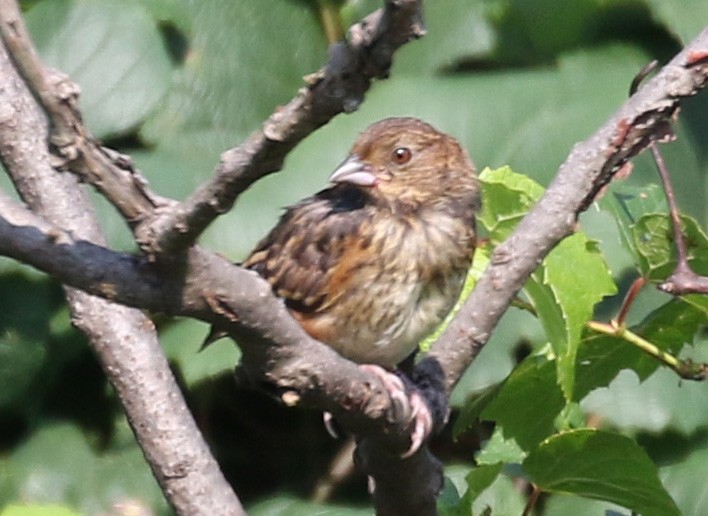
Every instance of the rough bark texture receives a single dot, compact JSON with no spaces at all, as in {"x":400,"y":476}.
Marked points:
{"x":58,"y":234}
{"x":123,"y":339}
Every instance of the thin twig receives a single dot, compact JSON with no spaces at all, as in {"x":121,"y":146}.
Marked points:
{"x":590,"y":166}
{"x":123,"y":339}
{"x":686,"y":369}
{"x":338,"y":87}
{"x":632,"y":294}
{"x":531,"y":503}
{"x":683,"y":280}
{"x":331,"y":20}
{"x":72,"y":146}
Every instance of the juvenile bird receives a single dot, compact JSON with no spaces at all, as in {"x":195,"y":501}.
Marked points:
{"x":372,"y":264}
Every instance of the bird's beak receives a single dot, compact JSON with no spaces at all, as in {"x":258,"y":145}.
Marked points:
{"x":353,"y":171}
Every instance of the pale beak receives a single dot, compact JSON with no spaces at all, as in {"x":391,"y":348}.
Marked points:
{"x":355,"y":172}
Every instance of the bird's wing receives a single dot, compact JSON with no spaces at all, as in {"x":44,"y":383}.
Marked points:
{"x":305,"y":254}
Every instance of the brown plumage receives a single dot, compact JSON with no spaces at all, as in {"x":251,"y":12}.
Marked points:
{"x":372,"y":264}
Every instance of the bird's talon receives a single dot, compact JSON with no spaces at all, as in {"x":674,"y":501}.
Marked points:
{"x":328,"y":420}
{"x":413,"y":405}
{"x":420,"y":415}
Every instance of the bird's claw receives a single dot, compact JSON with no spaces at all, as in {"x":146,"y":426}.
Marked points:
{"x":409,"y":400}
{"x":329,"y":424}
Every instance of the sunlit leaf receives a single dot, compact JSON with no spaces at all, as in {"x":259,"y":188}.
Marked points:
{"x":508,"y":196}
{"x":565,"y":289}
{"x":500,"y":450}
{"x":38,"y":510}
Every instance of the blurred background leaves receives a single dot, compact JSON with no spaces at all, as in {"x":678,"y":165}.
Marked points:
{"x":176,"y":82}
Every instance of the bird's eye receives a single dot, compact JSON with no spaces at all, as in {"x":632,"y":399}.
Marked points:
{"x":402,"y":155}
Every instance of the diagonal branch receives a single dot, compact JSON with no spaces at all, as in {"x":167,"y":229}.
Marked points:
{"x":590,"y":166}
{"x":275,"y":347}
{"x":683,"y":280}
{"x":163,"y":227}
{"x":338,"y":87}
{"x":303,"y":370}
{"x":124,"y":340}
{"x":300,"y":370}
{"x":72,"y":147}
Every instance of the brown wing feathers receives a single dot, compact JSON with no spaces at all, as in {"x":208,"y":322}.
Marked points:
{"x":300,"y":256}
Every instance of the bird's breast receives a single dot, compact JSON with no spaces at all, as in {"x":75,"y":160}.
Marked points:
{"x":400,"y":287}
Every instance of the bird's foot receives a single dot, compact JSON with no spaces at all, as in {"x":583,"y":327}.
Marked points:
{"x":408,"y":399}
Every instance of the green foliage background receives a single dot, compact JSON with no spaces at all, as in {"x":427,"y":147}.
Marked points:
{"x":176,"y":82}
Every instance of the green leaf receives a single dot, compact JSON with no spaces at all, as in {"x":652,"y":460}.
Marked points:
{"x":516,"y":330}
{"x":457,"y":30}
{"x":600,"y":465}
{"x":288,"y":505}
{"x":478,"y":480}
{"x":686,"y":18}
{"x":537,"y":30}
{"x":563,"y":505}
{"x":500,"y":450}
{"x":56,"y":465}
{"x":112,"y":50}
{"x":528,"y":402}
{"x":473,"y":407}
{"x":233,"y":79}
{"x":653,"y":238}
{"x":508,"y":196}
{"x":502,"y":497}
{"x":449,"y":500}
{"x":685,"y":479}
{"x":628,"y":203}
{"x":565,"y":289}
{"x":659,"y":404}
{"x":38,"y":510}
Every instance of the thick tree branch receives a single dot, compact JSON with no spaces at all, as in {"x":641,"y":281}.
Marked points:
{"x":161,"y":227}
{"x":124,"y":340}
{"x":589,"y":167}
{"x":298,"y":369}
{"x":338,"y":87}
{"x":72,"y":147}
{"x":208,"y":287}
{"x":270,"y":350}
{"x":275,"y":347}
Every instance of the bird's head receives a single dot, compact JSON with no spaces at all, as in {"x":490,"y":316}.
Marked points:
{"x":405,"y":162}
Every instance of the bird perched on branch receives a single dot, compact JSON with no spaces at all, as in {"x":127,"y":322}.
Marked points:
{"x":372,"y":264}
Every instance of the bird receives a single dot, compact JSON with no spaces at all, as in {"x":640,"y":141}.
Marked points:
{"x":373,"y":263}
